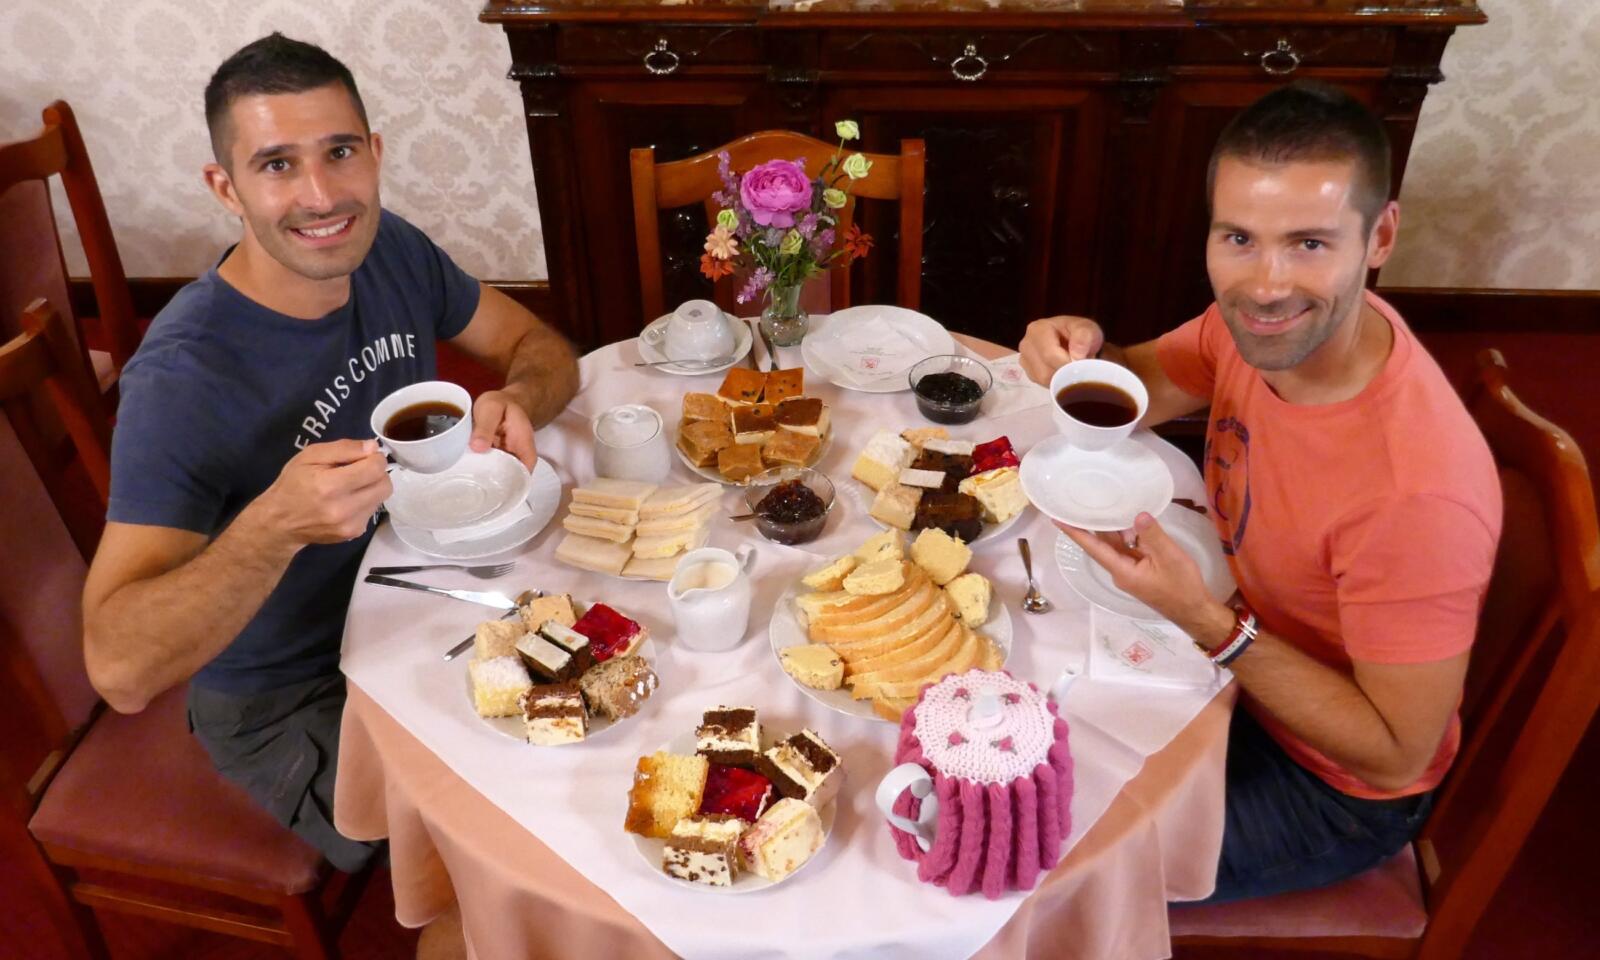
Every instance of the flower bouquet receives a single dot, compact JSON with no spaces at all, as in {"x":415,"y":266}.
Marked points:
{"x":782,"y":227}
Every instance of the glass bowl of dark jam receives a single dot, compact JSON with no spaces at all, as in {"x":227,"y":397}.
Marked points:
{"x":790,"y":504}
{"x":950,"y":389}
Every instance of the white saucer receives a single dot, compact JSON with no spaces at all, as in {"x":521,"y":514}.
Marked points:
{"x":544,"y":496}
{"x":785,"y":630}
{"x":1096,"y":489}
{"x":650,"y":353}
{"x":1192,"y":530}
{"x":748,"y":881}
{"x":930,"y":337}
{"x":476,"y":489}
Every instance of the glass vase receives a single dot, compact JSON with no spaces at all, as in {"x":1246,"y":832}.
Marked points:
{"x":783,"y":320}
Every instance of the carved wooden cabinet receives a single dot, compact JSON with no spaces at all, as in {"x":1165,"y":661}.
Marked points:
{"x":1067,"y":140}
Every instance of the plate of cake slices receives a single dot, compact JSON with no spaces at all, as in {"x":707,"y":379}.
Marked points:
{"x":863,"y":633}
{"x":753,"y":422}
{"x":552,"y":677}
{"x":733,"y":807}
{"x":634,"y":530}
{"x":925,"y":479}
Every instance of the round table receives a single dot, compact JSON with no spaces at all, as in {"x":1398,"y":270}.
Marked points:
{"x":530,"y":841}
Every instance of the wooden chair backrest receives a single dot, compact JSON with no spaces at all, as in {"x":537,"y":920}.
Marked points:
{"x":47,"y":356}
{"x":58,"y":150}
{"x":1534,"y":684}
{"x":680,"y":183}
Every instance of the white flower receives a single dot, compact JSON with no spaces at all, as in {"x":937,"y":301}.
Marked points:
{"x":847,"y":130}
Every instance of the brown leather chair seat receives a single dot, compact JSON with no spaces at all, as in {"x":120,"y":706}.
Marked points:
{"x":101,"y":803}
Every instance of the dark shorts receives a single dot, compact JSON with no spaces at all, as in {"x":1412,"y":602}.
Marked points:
{"x":1286,"y":829}
{"x":282,"y":747}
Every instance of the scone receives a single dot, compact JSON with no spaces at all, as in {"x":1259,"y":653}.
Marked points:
{"x":813,"y":664}
{"x":740,"y":461}
{"x":831,"y":577}
{"x":940,"y":555}
{"x":875,"y":578}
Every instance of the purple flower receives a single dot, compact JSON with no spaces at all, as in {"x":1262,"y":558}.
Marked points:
{"x":774,"y":192}
{"x":730,"y":183}
{"x":822,"y":244}
{"x":756,"y":285}
{"x":808,"y":225}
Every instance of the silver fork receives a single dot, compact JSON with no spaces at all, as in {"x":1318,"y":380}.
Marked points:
{"x":487,"y":571}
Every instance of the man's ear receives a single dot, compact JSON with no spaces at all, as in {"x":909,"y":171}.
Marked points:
{"x":222,"y":187}
{"x":376,"y":139}
{"x":1384,"y":233}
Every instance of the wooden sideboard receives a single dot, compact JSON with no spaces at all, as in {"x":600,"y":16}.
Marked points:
{"x":1067,"y":140}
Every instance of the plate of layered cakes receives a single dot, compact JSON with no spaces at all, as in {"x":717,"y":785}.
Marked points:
{"x":753,"y":422}
{"x":734,"y":807}
{"x":552,"y":677}
{"x":865,"y":632}
{"x":634,"y":530}
{"x":925,"y":479}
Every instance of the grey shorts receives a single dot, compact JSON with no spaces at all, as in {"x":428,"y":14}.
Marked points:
{"x":282,"y":747}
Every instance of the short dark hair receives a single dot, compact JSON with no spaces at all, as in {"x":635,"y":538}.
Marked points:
{"x":273,"y":64}
{"x":1310,"y":120}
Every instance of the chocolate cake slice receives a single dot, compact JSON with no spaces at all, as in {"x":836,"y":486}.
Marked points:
{"x":954,"y":466}
{"x":730,"y":736}
{"x":955,"y":513}
{"x":803,"y":767}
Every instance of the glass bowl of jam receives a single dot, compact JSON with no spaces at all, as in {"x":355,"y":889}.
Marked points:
{"x":790,"y":504}
{"x":950,"y":389}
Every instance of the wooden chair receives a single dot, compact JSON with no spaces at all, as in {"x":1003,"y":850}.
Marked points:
{"x":1531,"y":691}
{"x":31,"y":262}
{"x":679,"y":183}
{"x":112,"y":811}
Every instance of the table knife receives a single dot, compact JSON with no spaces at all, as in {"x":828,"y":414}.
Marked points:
{"x":488,"y":598}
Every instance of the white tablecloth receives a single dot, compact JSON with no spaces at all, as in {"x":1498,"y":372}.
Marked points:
{"x":859,"y":899}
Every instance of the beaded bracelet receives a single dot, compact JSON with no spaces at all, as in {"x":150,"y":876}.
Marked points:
{"x":1244,"y":632}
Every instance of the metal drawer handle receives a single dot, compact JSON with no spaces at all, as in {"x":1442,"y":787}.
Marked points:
{"x":1282,"y":60}
{"x":969,"y":66}
{"x":661,"y":61}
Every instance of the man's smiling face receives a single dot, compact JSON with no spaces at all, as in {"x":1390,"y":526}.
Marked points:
{"x":304,"y":173}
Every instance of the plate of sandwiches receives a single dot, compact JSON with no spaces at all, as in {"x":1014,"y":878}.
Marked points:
{"x":753,"y":422}
{"x":734,"y":807}
{"x":636,"y":531}
{"x":865,"y":632}
{"x":923,"y":478}
{"x":552,"y":677}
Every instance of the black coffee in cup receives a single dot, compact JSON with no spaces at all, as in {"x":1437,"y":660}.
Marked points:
{"x":419,"y":421}
{"x":1098,"y":404}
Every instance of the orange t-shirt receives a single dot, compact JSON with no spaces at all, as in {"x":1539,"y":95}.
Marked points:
{"x":1359,"y":530}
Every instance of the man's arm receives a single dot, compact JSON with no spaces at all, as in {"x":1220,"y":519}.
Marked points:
{"x":540,"y":369}
{"x":159,"y":603}
{"x":1054,"y":342}
{"x":1382,"y":722}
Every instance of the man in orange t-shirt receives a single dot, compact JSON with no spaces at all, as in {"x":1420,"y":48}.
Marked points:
{"x":1356,"y":500}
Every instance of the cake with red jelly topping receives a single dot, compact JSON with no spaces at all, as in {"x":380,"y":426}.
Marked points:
{"x":993,"y":455}
{"x":610,"y":633}
{"x":736,"y":791}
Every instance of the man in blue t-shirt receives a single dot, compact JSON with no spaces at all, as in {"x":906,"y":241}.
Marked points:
{"x":244,"y":473}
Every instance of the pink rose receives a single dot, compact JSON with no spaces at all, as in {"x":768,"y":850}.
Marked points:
{"x":774,"y":192}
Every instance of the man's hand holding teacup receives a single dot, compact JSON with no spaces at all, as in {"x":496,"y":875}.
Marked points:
{"x":1054,"y":342}
{"x":326,"y":493}
{"x":1156,"y":571}
{"x":498,"y":420}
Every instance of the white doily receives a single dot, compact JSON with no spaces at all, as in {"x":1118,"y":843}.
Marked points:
{"x":985,"y":727}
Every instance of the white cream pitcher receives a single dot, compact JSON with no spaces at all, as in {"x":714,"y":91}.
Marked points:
{"x":710,"y":598}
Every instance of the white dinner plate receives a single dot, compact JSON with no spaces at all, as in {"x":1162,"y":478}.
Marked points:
{"x":930,"y":337}
{"x":1096,"y":489}
{"x":649,"y":848}
{"x":514,"y":728}
{"x":710,"y":473}
{"x":785,"y":630}
{"x":651,"y":353}
{"x":1192,"y":530}
{"x":544,"y":496}
{"x":475,"y":489}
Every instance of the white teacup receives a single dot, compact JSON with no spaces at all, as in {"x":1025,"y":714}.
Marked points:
{"x":710,"y":598}
{"x":698,"y":330}
{"x":1088,"y":436}
{"x":431,"y":454}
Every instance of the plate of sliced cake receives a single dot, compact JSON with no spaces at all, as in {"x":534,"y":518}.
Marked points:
{"x":636,"y":531}
{"x":865,"y":632}
{"x":552,"y":677}
{"x":733,"y":807}
{"x":923,"y":478}
{"x":753,"y":422}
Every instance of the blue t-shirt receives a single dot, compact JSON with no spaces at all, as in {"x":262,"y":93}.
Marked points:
{"x":223,"y":391}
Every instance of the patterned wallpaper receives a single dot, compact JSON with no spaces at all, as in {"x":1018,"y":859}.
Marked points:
{"x":1502,"y":189}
